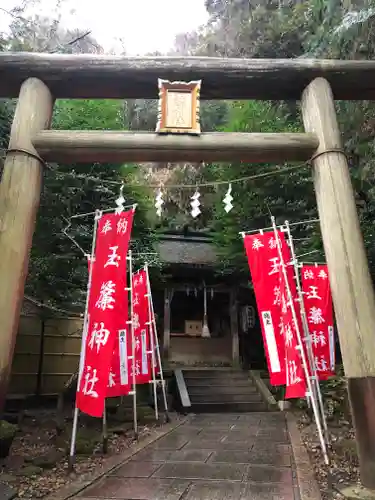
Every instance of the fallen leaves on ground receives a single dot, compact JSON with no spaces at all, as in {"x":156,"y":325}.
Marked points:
{"x":343,"y":469}
{"x":37,"y":465}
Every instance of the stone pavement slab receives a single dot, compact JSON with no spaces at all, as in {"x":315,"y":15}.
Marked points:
{"x":173,"y":456}
{"x":6,"y":492}
{"x":136,"y":489}
{"x":269,"y":474}
{"x":194,"y":470}
{"x":137,"y":469}
{"x":237,"y":491}
{"x":276,"y":458}
{"x":209,"y":457}
{"x":171,"y":442}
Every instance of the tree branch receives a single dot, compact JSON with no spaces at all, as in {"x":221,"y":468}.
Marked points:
{"x":72,"y":42}
{"x":15,"y":16}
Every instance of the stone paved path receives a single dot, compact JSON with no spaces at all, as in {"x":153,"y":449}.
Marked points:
{"x":210,"y":457}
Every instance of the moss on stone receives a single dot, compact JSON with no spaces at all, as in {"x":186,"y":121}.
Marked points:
{"x":7,"y":430}
{"x":7,"y":434}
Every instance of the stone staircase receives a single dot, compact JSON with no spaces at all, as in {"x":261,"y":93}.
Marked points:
{"x":222,"y":390}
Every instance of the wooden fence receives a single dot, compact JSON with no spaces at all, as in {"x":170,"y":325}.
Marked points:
{"x":46,"y":354}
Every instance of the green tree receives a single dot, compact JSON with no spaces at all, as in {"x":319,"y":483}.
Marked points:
{"x":58,"y":270}
{"x":313,"y":28}
{"x":286,"y":195}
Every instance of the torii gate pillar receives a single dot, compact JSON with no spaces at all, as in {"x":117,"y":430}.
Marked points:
{"x":350,"y":280}
{"x":19,"y":200}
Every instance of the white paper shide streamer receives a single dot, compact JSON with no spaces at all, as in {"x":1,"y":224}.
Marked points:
{"x":120,"y":201}
{"x":159,"y":202}
{"x":227,"y":200}
{"x":195,"y":204}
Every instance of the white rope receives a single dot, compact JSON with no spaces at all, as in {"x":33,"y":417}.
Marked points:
{"x":281,"y":170}
{"x":302,"y":222}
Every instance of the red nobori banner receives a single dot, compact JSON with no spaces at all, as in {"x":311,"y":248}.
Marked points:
{"x":264,"y":263}
{"x":319,"y":311}
{"x":141,"y":328}
{"x":107,"y":311}
{"x":119,"y":382}
{"x":296,"y":385}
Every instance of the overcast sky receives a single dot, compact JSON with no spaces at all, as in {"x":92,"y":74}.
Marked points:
{"x":143,"y":25}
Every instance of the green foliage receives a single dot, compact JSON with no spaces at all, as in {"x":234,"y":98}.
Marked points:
{"x":335,"y":396}
{"x":285,"y":195}
{"x":313,"y":28}
{"x":6,"y":111}
{"x":58,"y":270}
{"x":7,"y":430}
{"x":83,"y":114}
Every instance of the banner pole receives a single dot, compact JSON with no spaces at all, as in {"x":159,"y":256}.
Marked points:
{"x":105,"y":430}
{"x":133,"y":346}
{"x":157,"y":350}
{"x":317,"y":392}
{"x":152,"y":344}
{"x":302,"y":305}
{"x":300,"y":345}
{"x":98,"y":215}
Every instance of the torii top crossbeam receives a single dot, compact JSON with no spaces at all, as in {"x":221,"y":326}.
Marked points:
{"x":96,"y":76}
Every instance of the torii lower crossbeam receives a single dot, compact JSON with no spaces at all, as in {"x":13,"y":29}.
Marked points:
{"x":71,"y":146}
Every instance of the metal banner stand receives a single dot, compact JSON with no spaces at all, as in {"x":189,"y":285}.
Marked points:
{"x":154,"y":336}
{"x":152,"y":346}
{"x":300,"y":345}
{"x":98,"y":215}
{"x":286,"y":229}
{"x":307,"y":338}
{"x":132,"y":357}
{"x":105,"y":430}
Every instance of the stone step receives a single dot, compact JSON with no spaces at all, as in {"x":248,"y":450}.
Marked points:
{"x":226,"y":398}
{"x":222,"y":389}
{"x":238,"y":407}
{"x":219,"y":374}
{"x":216,"y":382}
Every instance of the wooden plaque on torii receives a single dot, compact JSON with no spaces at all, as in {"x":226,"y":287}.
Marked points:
{"x":178,"y":111}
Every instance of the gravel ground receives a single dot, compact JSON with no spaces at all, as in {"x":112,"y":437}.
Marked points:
{"x":343,"y":469}
{"x":37,"y":464}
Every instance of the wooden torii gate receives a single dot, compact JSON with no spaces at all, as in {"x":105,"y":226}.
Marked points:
{"x":38,"y":79}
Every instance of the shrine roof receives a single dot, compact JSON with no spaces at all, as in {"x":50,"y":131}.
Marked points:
{"x":187,"y":250}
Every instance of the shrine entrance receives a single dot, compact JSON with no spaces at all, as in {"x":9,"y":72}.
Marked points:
{"x":198,"y":326}
{"x":38,"y":79}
